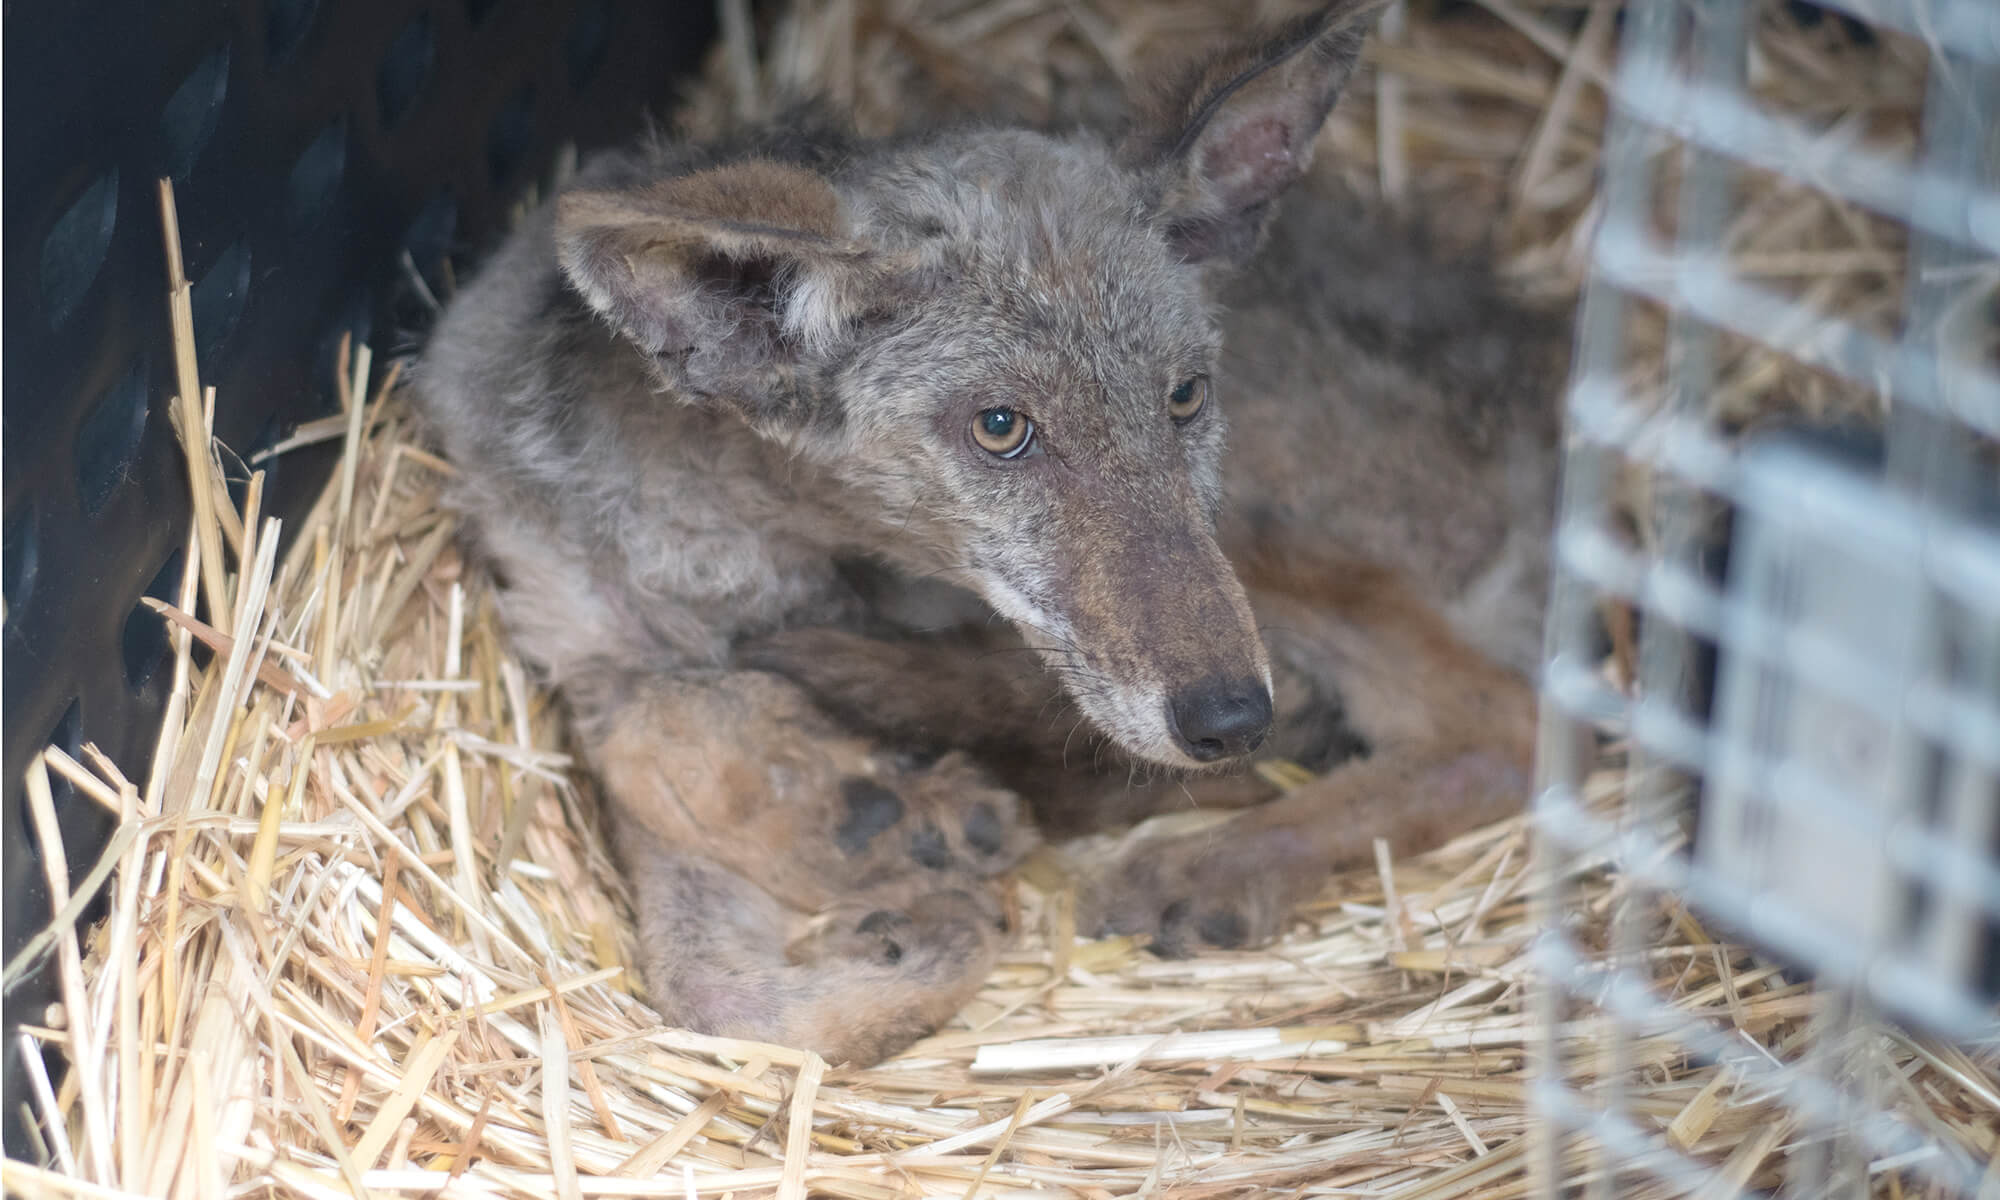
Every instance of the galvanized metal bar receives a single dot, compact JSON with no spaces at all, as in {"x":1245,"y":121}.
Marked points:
{"x":1729,"y":123}
{"x":1922,"y":812}
{"x":1567,"y":825}
{"x":1881,"y":1133}
{"x":1565,"y":745}
{"x":1628,"y":257}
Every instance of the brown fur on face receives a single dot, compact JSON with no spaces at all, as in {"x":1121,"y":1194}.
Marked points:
{"x":712,"y":417}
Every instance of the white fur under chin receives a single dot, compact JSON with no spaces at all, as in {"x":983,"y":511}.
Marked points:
{"x":1136,"y":721}
{"x":1035,"y":622}
{"x":1154,"y":742}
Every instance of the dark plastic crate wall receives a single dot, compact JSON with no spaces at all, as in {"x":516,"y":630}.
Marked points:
{"x":1812,"y":738}
{"x":316,"y":149}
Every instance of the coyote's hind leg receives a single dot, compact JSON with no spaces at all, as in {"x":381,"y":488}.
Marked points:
{"x":797,"y":883}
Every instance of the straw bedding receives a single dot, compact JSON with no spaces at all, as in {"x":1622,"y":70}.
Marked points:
{"x":363,"y":936}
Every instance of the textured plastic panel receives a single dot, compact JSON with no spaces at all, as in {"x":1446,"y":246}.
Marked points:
{"x":323,"y":154}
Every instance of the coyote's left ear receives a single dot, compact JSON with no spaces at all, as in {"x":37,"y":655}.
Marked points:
{"x":1239,"y":129}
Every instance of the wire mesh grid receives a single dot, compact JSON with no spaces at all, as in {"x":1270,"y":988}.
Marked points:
{"x":1806,"y":734}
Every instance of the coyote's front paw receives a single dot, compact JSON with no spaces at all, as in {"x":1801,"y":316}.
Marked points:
{"x":945,"y":817}
{"x":1200,"y":890}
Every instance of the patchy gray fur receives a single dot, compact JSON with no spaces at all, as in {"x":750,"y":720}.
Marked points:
{"x":634,"y":531}
{"x":720,"y":395}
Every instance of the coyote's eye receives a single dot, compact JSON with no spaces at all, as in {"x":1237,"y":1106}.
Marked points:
{"x":1185,"y":402}
{"x":1002,"y":432}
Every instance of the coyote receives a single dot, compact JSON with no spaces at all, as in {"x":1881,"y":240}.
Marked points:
{"x":867,"y":503}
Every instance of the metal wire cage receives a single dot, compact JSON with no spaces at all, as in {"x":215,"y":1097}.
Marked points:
{"x":1805,"y":736}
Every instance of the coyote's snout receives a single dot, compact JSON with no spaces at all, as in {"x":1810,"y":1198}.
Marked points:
{"x":764,"y":439}
{"x":1158,"y":646}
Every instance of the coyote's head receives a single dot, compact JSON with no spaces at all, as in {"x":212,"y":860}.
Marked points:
{"x":1000,"y":342}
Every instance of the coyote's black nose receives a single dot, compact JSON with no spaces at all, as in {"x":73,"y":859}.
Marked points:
{"x":1221,"y":719}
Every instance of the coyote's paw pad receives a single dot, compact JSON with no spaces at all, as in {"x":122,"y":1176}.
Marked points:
{"x":943,"y":817}
{"x":1196,"y":892}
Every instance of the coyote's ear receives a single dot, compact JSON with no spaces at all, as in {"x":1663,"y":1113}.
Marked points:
{"x":1239,"y":129}
{"x":728,"y":277}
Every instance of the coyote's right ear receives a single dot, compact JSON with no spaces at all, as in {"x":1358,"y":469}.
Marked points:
{"x":1239,"y":129}
{"x":727,"y":278}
